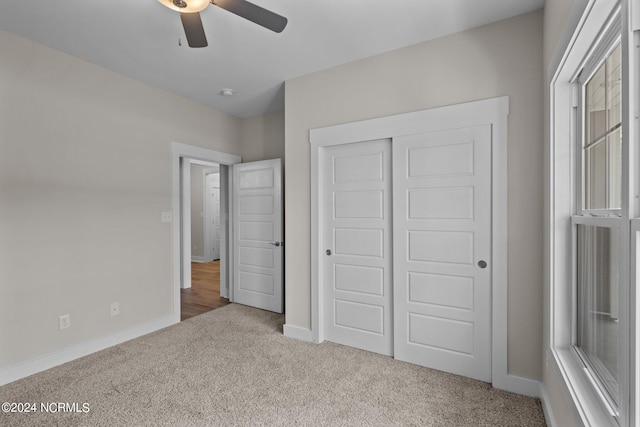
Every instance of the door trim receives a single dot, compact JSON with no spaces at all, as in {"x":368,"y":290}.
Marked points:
{"x":493,"y":112}
{"x":182,"y":151}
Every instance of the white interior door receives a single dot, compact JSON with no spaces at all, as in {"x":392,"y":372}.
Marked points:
{"x":442,"y":250}
{"x":257,"y":235}
{"x":357,"y":243}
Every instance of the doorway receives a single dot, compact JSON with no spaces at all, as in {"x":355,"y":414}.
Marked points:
{"x":183,"y":158}
{"x":204,"y":294}
{"x":251,"y":238}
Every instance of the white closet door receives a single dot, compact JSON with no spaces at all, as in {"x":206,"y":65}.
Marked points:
{"x":357,"y":245}
{"x":442,"y":247}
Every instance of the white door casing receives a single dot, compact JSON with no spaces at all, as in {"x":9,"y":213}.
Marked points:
{"x":442,"y":250}
{"x":226,"y":234}
{"x":357,"y":238}
{"x":258,"y":235}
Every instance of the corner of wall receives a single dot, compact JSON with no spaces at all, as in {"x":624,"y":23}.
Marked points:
{"x":296,"y":332}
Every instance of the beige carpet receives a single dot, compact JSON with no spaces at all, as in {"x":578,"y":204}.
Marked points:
{"x":233,"y":366}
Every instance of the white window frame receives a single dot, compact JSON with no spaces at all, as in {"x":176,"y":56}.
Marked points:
{"x":564,"y":203}
{"x":608,"y":217}
{"x":600,"y":51}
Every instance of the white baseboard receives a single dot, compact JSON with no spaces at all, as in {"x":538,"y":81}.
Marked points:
{"x":518,"y":385}
{"x":47,"y":361}
{"x":297,"y":332}
{"x":546,"y":408}
{"x":198,"y":259}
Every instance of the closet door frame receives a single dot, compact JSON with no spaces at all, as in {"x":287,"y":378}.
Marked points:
{"x":494,"y":112}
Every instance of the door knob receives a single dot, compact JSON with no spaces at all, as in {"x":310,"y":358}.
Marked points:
{"x":276,"y":244}
{"x":482,"y":264}
{"x":328,"y":251}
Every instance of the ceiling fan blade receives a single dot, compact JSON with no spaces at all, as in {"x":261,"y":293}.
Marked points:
{"x":253,"y":13}
{"x":193,"y":29}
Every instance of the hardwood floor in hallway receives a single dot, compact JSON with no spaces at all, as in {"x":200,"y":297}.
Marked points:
{"x":204,"y":294}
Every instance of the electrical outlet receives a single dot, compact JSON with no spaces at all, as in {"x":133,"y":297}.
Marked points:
{"x":115,"y":308}
{"x":166,"y":217}
{"x":64,"y":321}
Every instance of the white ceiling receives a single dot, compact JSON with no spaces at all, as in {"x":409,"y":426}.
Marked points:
{"x":139,"y":38}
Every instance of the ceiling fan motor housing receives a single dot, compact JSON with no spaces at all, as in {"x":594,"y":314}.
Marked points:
{"x":186,"y":6}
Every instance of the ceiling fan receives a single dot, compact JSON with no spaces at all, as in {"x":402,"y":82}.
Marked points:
{"x":193,"y":29}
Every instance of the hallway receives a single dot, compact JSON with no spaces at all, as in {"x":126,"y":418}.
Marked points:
{"x":204,"y":294}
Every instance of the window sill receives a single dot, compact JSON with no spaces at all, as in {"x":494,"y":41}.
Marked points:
{"x":588,"y":403}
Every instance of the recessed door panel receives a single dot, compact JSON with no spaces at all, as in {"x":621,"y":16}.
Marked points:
{"x":256,"y":205}
{"x":441,"y":334}
{"x":359,"y":316}
{"x":259,"y":231}
{"x":440,"y":289}
{"x":454,"y":247}
{"x":358,"y":168}
{"x":257,"y":257}
{"x":358,"y":204}
{"x":365,"y":242}
{"x":441,"y":203}
{"x":254,"y":282}
{"x":361,"y":279}
{"x":440,"y":159}
{"x":256,"y":178}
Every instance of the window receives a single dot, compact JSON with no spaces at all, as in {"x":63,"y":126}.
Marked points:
{"x":602,"y":140}
{"x":597,"y":220}
{"x":594,"y":217}
{"x":597,"y":322}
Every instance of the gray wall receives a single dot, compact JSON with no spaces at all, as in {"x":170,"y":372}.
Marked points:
{"x":262,"y":137}
{"x":503,"y":58}
{"x":85,"y":170}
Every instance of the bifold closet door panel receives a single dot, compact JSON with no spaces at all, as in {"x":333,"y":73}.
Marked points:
{"x":441,"y":251}
{"x":356,"y":211}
